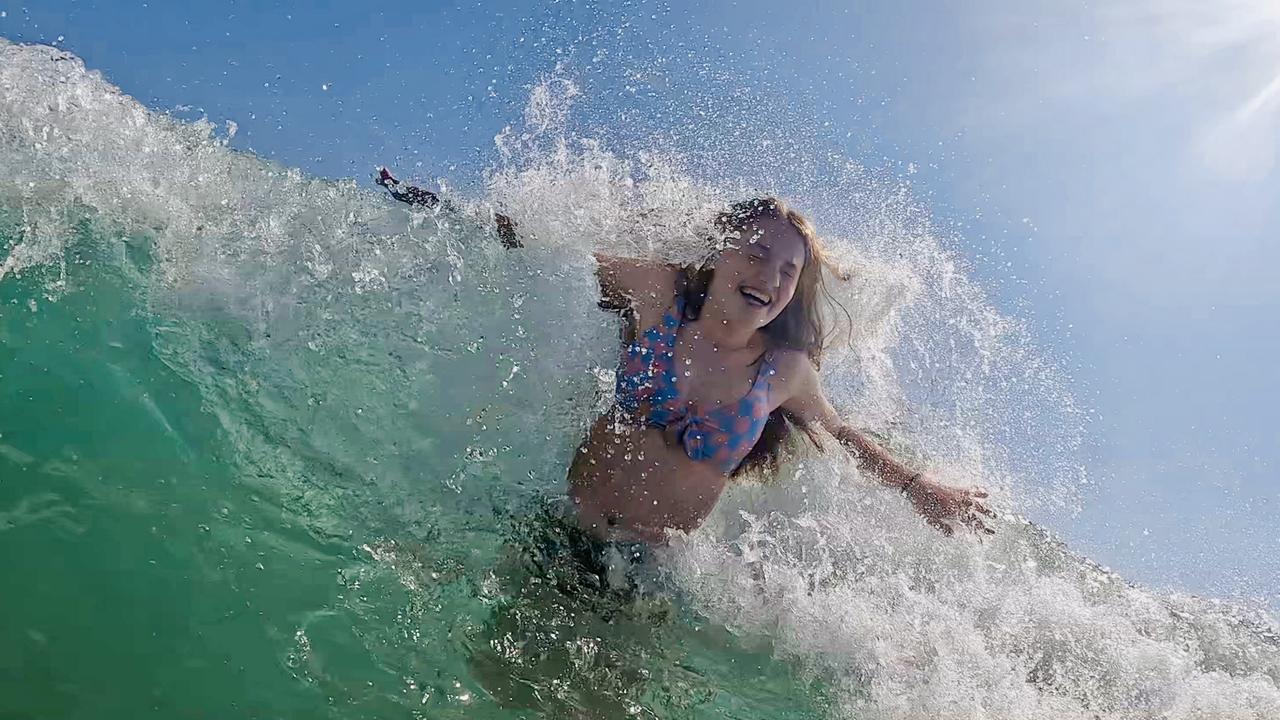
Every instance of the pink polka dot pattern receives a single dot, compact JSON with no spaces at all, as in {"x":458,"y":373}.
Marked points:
{"x":723,"y":435}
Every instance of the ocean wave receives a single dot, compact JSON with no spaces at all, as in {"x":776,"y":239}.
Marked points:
{"x":399,"y":382}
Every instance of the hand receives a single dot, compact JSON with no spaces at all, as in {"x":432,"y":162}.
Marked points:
{"x":939,"y":504}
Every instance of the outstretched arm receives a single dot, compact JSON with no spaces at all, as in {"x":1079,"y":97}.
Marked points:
{"x":414,"y":195}
{"x":939,"y":504}
{"x":623,"y":281}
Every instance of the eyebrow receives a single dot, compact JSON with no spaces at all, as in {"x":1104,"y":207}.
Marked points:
{"x":768,"y":250}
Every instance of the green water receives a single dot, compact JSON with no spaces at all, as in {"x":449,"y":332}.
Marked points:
{"x":271,"y":446}
{"x":175,"y":543}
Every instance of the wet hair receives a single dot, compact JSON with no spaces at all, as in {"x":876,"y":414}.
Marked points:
{"x":800,"y":326}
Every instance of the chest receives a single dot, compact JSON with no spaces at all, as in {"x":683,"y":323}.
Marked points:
{"x":671,"y":369}
{"x":710,"y":377}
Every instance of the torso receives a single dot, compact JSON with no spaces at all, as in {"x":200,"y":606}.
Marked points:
{"x":628,"y":483}
{"x":632,"y":481}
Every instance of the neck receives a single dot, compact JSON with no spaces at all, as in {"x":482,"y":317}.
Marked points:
{"x":723,"y":333}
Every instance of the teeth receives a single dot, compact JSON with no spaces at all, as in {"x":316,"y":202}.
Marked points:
{"x":758,"y":297}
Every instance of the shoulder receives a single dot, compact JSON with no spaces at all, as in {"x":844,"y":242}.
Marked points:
{"x":793,"y":373}
{"x":792,"y":365}
{"x":800,"y":389}
{"x":632,"y":282}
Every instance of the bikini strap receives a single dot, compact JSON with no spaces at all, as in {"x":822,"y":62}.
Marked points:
{"x":766,"y":371}
{"x":677,"y":311}
{"x":682,"y":283}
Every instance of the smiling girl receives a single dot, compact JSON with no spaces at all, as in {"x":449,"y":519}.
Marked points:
{"x":719,"y":366}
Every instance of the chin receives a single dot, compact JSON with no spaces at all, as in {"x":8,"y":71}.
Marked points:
{"x":759,"y":319}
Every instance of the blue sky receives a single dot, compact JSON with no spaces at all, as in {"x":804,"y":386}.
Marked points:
{"x":1113,"y":170}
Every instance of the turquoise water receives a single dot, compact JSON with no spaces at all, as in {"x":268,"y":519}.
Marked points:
{"x":270,"y":447}
{"x":168,"y":560}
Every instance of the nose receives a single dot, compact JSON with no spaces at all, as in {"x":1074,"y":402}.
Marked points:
{"x":771,"y":273}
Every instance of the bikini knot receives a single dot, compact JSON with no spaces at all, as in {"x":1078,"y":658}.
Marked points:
{"x":692,"y":430}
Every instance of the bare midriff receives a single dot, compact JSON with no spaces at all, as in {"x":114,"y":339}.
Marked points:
{"x":632,"y":482}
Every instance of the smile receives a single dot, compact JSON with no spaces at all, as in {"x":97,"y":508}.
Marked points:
{"x":755,"y":297}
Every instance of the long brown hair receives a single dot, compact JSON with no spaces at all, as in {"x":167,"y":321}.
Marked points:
{"x":800,"y":325}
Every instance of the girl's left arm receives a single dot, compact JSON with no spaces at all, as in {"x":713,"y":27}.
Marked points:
{"x":940,"y":505}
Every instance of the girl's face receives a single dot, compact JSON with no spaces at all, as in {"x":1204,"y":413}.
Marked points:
{"x":756,"y":276}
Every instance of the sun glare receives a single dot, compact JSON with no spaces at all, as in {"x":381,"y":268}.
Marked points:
{"x":1229,"y":47}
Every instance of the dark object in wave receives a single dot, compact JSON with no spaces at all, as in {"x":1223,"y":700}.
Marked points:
{"x":414,"y":195}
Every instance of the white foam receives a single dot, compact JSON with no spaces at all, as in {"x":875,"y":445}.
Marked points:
{"x":847,"y":582}
{"x":842,"y":577}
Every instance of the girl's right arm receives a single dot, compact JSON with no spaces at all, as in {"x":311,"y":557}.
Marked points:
{"x":625,"y":282}
{"x":414,"y":195}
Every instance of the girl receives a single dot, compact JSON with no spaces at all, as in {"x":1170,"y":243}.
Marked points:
{"x":720,"y":366}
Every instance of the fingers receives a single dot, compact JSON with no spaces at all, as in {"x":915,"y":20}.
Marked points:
{"x":978,"y":526}
{"x":967,"y":518}
{"x":975,"y":523}
{"x":963,"y":505}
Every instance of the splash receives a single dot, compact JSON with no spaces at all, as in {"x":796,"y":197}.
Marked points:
{"x":395,"y":383}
